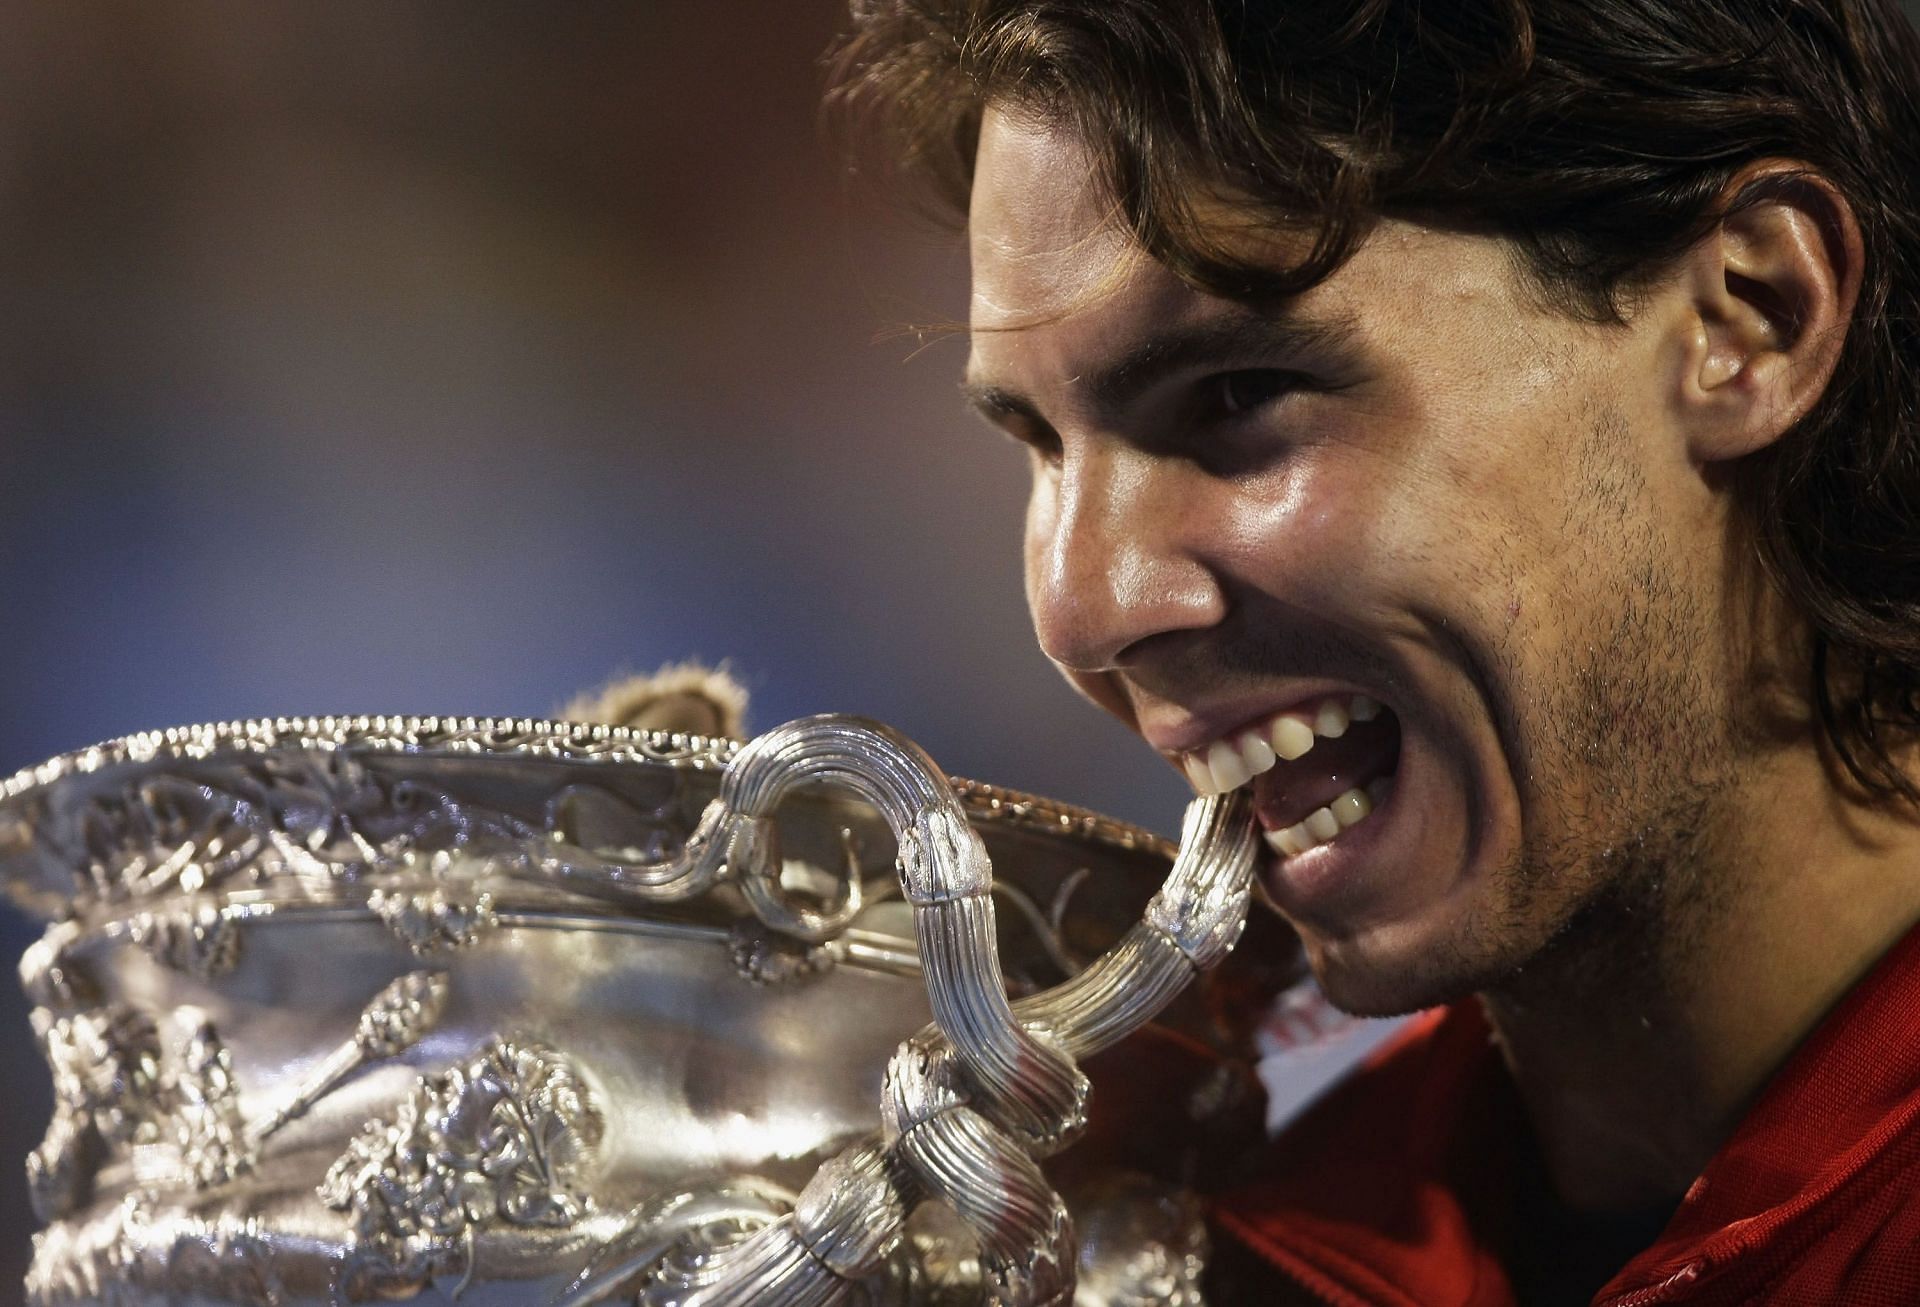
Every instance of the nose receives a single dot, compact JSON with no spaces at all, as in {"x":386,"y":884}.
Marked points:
{"x":1115,"y":555}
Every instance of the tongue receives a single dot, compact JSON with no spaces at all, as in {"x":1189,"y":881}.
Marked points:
{"x":1290,"y":791}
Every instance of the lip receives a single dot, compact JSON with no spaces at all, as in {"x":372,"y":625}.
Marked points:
{"x":1179,"y":731}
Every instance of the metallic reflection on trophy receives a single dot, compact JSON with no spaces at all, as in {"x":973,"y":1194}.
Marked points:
{"x":511,"y":1011}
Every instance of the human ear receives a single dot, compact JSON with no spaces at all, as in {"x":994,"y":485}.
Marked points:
{"x":1772,"y":289}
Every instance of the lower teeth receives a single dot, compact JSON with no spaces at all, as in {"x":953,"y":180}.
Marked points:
{"x":1323,"y":825}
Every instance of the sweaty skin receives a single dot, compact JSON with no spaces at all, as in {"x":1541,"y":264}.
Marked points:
{"x":1610,"y":815}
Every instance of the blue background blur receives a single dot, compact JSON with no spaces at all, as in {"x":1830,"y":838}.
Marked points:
{"x":450,"y":358}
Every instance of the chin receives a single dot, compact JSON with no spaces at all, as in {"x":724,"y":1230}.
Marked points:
{"x":1376,"y":975}
{"x":1371,"y":992}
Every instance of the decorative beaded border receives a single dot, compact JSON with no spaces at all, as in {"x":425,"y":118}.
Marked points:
{"x":524,"y":738}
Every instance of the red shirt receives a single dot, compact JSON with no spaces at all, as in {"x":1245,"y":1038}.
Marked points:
{"x":1399,"y":1190}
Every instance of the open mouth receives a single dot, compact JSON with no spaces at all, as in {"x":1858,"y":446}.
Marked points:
{"x":1318,"y":768}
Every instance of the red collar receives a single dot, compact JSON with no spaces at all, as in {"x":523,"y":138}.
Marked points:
{"x":1398,"y":1190}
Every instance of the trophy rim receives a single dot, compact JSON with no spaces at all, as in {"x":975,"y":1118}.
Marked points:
{"x":508,"y":739}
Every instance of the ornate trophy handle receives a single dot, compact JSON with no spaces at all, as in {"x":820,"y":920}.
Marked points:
{"x":970,"y":1104}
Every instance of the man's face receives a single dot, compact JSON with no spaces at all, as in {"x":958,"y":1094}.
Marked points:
{"x":1414,"y":484}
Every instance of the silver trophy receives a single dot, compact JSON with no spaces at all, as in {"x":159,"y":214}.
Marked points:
{"x":349,"y":1010}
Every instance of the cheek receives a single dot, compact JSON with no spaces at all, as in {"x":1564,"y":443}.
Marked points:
{"x":1403,"y":534}
{"x":1476,"y":499}
{"x":1352,"y":530}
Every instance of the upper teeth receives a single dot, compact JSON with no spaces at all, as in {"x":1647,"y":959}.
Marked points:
{"x":1229,"y":763}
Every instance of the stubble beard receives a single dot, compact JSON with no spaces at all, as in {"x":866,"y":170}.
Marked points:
{"x":1645,"y":747}
{"x":1612,"y":901}
{"x":1625,"y":896}
{"x":1631,"y":758}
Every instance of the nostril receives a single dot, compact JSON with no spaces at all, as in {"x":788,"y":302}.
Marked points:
{"x":1071,"y":641}
{"x":1114,"y":628}
{"x":1086,"y":627}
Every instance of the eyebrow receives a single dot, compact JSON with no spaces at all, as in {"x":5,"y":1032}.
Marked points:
{"x":1241,"y":338}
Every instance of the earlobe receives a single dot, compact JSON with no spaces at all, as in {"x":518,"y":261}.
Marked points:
{"x":1773,"y":288}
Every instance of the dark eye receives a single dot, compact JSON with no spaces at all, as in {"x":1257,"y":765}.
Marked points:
{"x":1236,"y":393}
{"x":1038,"y":437}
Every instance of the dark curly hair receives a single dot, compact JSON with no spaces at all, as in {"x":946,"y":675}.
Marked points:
{"x":1599,"y":136}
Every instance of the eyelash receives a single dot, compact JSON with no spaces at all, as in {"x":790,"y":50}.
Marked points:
{"x":1036,"y":439}
{"x":1218,"y":404}
{"x":1270,"y":384}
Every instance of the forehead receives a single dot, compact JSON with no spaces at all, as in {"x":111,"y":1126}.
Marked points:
{"x":1059,"y":283}
{"x":1060,"y":286}
{"x":1042,"y":234}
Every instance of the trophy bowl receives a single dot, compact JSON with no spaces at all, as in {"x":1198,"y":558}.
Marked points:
{"x":345,"y":1010}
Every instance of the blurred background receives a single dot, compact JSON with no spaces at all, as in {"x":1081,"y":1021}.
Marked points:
{"x":449,"y":358}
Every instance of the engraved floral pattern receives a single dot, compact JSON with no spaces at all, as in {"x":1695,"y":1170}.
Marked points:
{"x":176,"y":1112}
{"x":106,"y":1079}
{"x":202,"y":940}
{"x":200,"y":1138}
{"x":323,"y":816}
{"x":503,"y":1139}
{"x":436,"y":920}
